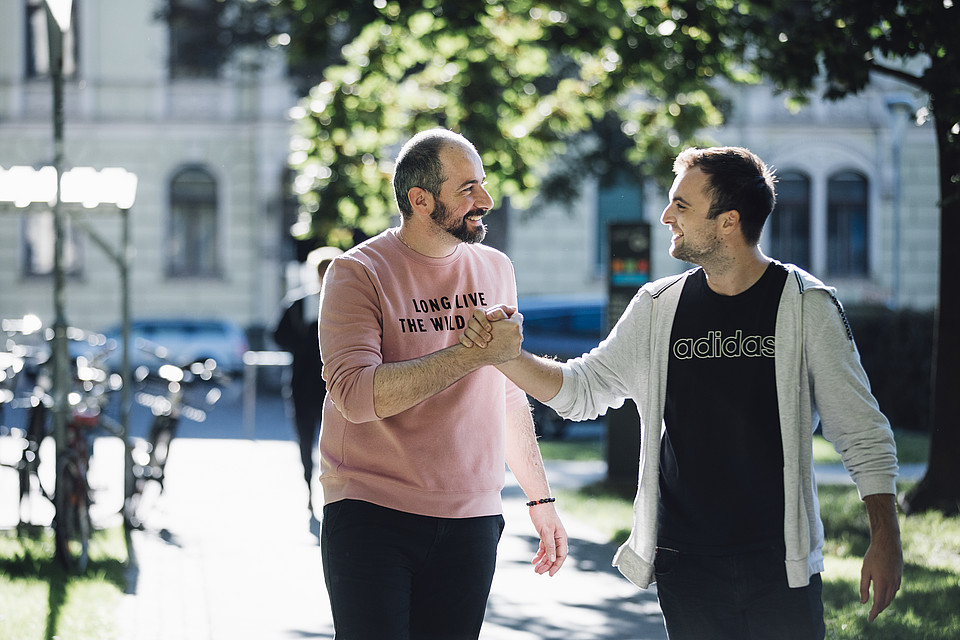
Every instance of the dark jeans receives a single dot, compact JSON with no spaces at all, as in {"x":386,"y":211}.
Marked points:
{"x":398,"y":576}
{"x":736,"y":597}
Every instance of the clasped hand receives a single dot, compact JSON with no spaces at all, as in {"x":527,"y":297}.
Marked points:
{"x":498,"y":326}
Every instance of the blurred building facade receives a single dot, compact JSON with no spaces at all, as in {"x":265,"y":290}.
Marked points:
{"x":857,"y":201}
{"x":209,"y":145}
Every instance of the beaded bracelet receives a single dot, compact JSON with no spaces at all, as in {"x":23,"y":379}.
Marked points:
{"x":534,"y":503}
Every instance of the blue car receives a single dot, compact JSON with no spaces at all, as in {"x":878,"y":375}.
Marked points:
{"x":560,"y":327}
{"x":185,"y":340}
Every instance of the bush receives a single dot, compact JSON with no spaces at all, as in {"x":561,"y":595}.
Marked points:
{"x":896,"y":348}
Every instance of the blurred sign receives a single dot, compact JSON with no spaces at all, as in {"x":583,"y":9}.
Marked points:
{"x":629,"y":265}
{"x":629,"y":269}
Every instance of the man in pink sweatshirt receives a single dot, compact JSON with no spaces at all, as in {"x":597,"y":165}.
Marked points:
{"x":416,"y":427}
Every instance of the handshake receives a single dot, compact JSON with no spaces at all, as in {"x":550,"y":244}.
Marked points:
{"x":495,"y":336}
{"x":498,"y":330}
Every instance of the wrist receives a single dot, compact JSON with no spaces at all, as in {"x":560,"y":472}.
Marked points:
{"x":535,"y":503}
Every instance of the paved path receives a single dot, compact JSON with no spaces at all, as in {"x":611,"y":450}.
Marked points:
{"x":230,"y":552}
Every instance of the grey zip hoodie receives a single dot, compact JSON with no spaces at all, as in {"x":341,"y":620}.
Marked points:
{"x":819,"y":377}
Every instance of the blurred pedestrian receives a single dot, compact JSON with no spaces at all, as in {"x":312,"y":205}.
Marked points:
{"x":416,"y":429}
{"x":298,"y":332}
{"x":732,"y":365}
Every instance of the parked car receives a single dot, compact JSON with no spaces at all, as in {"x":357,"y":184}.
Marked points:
{"x":560,"y":327}
{"x":186,"y":340}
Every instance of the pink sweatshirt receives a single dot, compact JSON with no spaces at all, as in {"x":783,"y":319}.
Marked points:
{"x":383,"y":302}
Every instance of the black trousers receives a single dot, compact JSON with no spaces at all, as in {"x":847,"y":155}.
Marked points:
{"x":399,"y":576}
{"x":735,"y":597}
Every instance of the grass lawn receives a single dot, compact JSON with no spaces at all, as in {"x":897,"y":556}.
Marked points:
{"x":572,"y":449}
{"x":912,"y":448}
{"x":40,"y":601}
{"x":926,"y":607}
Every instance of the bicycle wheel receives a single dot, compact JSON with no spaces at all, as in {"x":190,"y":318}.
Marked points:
{"x":72,"y":526}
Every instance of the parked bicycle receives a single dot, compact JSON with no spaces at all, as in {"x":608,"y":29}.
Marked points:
{"x":88,"y":402}
{"x":171,"y":391}
{"x":88,"y":397}
{"x":25,"y":372}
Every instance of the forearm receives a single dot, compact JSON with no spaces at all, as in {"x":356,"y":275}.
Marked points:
{"x":882,"y":515}
{"x":883,"y":562}
{"x":540,"y":377}
{"x":523,"y":455}
{"x":398,"y":386}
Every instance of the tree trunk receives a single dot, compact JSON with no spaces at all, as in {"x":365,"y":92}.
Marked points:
{"x":940,"y":488}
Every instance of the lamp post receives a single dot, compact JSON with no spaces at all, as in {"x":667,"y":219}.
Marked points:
{"x":58,"y":22}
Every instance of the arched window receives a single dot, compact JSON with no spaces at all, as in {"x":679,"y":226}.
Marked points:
{"x":192,"y":234}
{"x":38,"y":42}
{"x":847,"y":225}
{"x":38,"y":245}
{"x":789,"y":224}
{"x":197,"y":46}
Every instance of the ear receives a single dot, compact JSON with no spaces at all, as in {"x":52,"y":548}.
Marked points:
{"x":729,"y":221}
{"x":421,"y":200}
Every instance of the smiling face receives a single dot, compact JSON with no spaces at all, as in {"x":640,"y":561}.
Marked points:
{"x":463,"y":200}
{"x":696,"y":238}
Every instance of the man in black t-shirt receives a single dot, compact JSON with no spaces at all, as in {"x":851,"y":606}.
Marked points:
{"x":722,"y":421}
{"x":719,"y":563}
{"x":730,"y":364}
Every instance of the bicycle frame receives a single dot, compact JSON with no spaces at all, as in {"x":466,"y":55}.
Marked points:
{"x":168,"y":407}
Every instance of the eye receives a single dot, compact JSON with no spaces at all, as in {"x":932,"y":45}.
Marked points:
{"x":473,"y":187}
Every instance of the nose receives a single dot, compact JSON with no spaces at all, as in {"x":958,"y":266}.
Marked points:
{"x":486,"y":200}
{"x":666,"y":217}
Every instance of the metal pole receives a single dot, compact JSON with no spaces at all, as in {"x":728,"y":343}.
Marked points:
{"x":61,"y":370}
{"x":125,"y":358}
{"x":249,"y":397}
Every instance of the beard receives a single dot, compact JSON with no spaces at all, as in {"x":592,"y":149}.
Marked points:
{"x":697,"y":253}
{"x":458,"y":228}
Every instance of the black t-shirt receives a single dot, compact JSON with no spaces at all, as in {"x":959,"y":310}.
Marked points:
{"x":721,"y":458}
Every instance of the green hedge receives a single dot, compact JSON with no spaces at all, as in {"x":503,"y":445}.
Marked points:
{"x":896,"y":348}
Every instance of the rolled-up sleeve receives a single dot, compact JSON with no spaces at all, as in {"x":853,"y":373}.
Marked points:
{"x":611,"y":372}
{"x":351,"y":334}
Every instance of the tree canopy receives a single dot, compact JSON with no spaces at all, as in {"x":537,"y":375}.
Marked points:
{"x":527,"y":81}
{"x":588,"y":86}
{"x":594,"y":85}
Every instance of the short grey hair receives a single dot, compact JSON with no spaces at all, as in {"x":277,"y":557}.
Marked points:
{"x":418,"y":165}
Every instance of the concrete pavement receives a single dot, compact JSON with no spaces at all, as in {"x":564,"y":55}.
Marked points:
{"x":230,"y":551}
